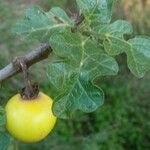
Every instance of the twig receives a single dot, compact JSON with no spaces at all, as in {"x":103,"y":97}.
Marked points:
{"x":31,"y":58}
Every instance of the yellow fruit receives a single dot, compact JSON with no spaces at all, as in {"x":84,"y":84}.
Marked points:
{"x":30,"y":120}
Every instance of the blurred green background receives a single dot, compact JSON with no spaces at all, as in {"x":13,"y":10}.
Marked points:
{"x":122,"y":123}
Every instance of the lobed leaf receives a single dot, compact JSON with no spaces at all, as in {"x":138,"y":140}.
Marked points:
{"x":139,"y":56}
{"x":114,"y":46}
{"x":137,"y":50}
{"x":39,"y":25}
{"x":82,"y":60}
{"x":115,"y":29}
{"x":96,"y":11}
{"x":113,"y":36}
{"x":81,"y":95}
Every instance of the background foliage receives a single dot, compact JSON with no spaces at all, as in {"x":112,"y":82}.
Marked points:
{"x":122,"y":122}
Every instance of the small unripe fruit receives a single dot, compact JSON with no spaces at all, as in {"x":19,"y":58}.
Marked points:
{"x":30,"y":120}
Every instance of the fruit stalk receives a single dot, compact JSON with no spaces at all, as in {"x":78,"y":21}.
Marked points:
{"x":29,"y":92}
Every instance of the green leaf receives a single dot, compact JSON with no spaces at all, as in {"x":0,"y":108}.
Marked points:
{"x":115,"y":29}
{"x":71,"y":77}
{"x":39,"y":25}
{"x":67,"y":45}
{"x":139,"y":56}
{"x":114,"y":46}
{"x":4,"y":141}
{"x":83,"y":53}
{"x":72,"y":90}
{"x":81,"y":95}
{"x":112,"y":34}
{"x":61,"y":75}
{"x":137,"y":50}
{"x":99,"y":11}
{"x":2,"y":117}
{"x":60,"y":15}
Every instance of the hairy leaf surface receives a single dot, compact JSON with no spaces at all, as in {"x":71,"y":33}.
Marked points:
{"x":112,"y":34}
{"x":99,"y":11}
{"x":39,"y":25}
{"x":82,"y":61}
{"x":139,"y":56}
{"x":137,"y":49}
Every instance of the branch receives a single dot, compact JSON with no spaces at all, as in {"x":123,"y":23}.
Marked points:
{"x":31,"y":58}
